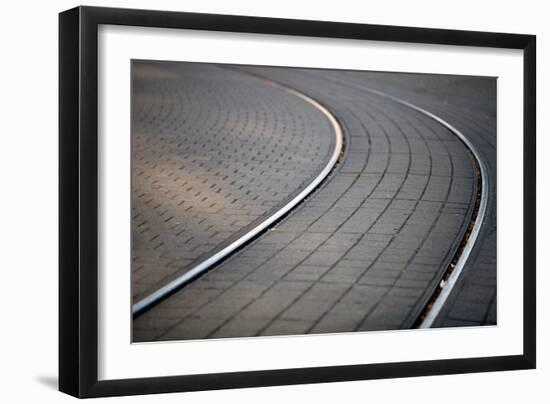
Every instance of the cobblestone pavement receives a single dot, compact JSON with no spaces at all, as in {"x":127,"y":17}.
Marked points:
{"x":366,"y":251}
{"x":469,"y":104}
{"x":213,"y":152}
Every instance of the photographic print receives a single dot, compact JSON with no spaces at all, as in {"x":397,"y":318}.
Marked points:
{"x":249,"y":201}
{"x":271,"y":201}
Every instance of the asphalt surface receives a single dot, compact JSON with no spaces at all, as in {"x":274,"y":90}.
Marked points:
{"x":366,"y":251}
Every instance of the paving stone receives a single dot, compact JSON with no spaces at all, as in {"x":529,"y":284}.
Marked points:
{"x":315,"y":301}
{"x":287,"y":327}
{"x":470,"y":311}
{"x":306,"y":273}
{"x":361,"y":252}
{"x":193,"y":328}
{"x":238,"y":326}
{"x":202,"y":137}
{"x":346,"y":271}
{"x":348,"y":313}
{"x":491,"y":317}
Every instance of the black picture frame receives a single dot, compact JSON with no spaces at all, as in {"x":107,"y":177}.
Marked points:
{"x":78,"y":201}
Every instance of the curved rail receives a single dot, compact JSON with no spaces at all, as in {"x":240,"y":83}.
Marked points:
{"x":447,"y":287}
{"x":150,"y":300}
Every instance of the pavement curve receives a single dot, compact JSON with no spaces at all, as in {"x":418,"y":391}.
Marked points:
{"x":366,"y":250}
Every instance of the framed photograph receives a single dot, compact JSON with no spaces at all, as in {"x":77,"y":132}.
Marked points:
{"x":250,"y":201}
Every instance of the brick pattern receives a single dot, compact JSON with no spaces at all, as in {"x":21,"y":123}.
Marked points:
{"x":468,"y":103}
{"x":213,"y":151}
{"x":364,"y":253}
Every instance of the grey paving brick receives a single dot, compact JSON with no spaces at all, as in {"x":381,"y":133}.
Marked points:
{"x":470,"y":311}
{"x":324,"y":258}
{"x":201,"y":139}
{"x":346,"y":271}
{"x":491,"y":317}
{"x":285,"y":326}
{"x":193,"y":328}
{"x":385,"y":317}
{"x":361,"y":252}
{"x":348,"y":313}
{"x":238,"y":326}
{"x":306,"y":272}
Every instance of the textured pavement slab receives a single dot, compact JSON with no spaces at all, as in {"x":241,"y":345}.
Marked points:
{"x":469,"y":104}
{"x":213,"y":152}
{"x":364,"y":253}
